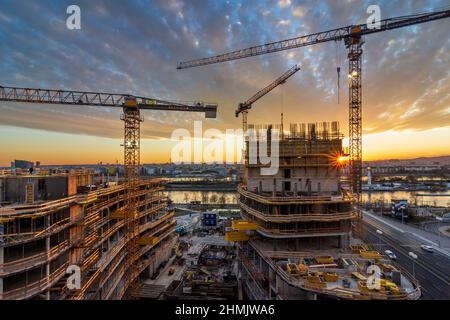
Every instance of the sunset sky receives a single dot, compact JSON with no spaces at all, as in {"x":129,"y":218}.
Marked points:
{"x":134,"y":47}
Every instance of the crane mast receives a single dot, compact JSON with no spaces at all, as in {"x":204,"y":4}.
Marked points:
{"x":353,"y":38}
{"x":354,"y":46}
{"x":131,"y":106}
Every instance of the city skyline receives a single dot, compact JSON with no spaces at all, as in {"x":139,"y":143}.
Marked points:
{"x":405,"y":74}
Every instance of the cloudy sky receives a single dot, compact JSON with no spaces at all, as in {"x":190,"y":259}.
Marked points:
{"x":134,"y":47}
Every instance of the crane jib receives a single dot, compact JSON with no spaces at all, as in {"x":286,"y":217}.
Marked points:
{"x":100,"y":99}
{"x":320,"y":37}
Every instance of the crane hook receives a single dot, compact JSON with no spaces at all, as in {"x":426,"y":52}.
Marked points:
{"x":338,"y":69}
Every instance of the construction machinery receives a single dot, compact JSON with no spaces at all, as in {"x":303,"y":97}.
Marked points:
{"x":247,"y":105}
{"x":353,"y":40}
{"x":131,"y":106}
{"x":238,"y":232}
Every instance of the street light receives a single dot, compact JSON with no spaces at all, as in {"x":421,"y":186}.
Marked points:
{"x":380,"y":233}
{"x":403,"y":212}
{"x":439,"y":231}
{"x":382,"y":205}
{"x":414,"y":258}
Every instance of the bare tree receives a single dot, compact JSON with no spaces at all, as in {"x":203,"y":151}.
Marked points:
{"x":204,"y":197}
{"x":213,"y":198}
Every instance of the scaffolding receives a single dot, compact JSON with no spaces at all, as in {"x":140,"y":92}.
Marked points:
{"x":299,"y":131}
{"x":94,"y":240}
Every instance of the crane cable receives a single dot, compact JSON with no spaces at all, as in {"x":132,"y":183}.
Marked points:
{"x":282,"y":110}
{"x":338,"y":69}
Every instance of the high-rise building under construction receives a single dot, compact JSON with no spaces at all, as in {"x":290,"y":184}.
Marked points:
{"x":302,"y":246}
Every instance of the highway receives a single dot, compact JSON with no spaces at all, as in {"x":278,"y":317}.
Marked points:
{"x":432,"y":270}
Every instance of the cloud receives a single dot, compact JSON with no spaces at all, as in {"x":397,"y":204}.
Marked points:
{"x":134,"y":47}
{"x":284,"y":3}
{"x":284,"y":22}
{"x":413,"y":110}
{"x":299,"y":12}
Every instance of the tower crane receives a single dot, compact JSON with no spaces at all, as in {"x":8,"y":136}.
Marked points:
{"x":131,"y":106}
{"x":247,"y":105}
{"x":353,"y":40}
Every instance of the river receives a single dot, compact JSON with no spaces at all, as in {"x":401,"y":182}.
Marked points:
{"x":440,"y":199}
{"x":386,"y":196}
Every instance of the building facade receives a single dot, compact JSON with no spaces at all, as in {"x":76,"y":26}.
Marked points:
{"x":84,"y":229}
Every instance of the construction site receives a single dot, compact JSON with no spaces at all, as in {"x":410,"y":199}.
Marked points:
{"x":111,"y":236}
{"x":302,"y":246}
{"x":41,"y":238}
{"x":297,"y":236}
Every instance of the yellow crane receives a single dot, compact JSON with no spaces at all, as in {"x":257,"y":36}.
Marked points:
{"x":247,"y":105}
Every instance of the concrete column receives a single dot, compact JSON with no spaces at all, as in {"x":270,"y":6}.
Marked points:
{"x":278,"y":284}
{"x":1,"y":262}
{"x":47,"y":266}
{"x":260,"y":264}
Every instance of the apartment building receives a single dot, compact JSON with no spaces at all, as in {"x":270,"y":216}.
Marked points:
{"x":52,"y":222}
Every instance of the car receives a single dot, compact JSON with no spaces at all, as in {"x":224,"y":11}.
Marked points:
{"x":390,"y":254}
{"x":427,"y":248}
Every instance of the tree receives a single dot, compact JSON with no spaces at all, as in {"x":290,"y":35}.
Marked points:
{"x":204,"y":197}
{"x":213,"y":198}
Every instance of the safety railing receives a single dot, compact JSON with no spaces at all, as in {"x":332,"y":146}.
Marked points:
{"x":266,"y":199}
{"x":299,"y":217}
{"x":337,"y":290}
{"x":31,"y":289}
{"x":33,"y":260}
{"x":17,"y":238}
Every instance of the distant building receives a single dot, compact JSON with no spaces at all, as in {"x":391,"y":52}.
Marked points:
{"x":399,"y":169}
{"x":149,"y":171}
{"x":22,"y":164}
{"x":38,"y":188}
{"x":399,"y":209}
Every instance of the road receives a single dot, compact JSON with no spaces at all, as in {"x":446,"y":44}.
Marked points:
{"x":434,"y":226}
{"x":432,"y":270}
